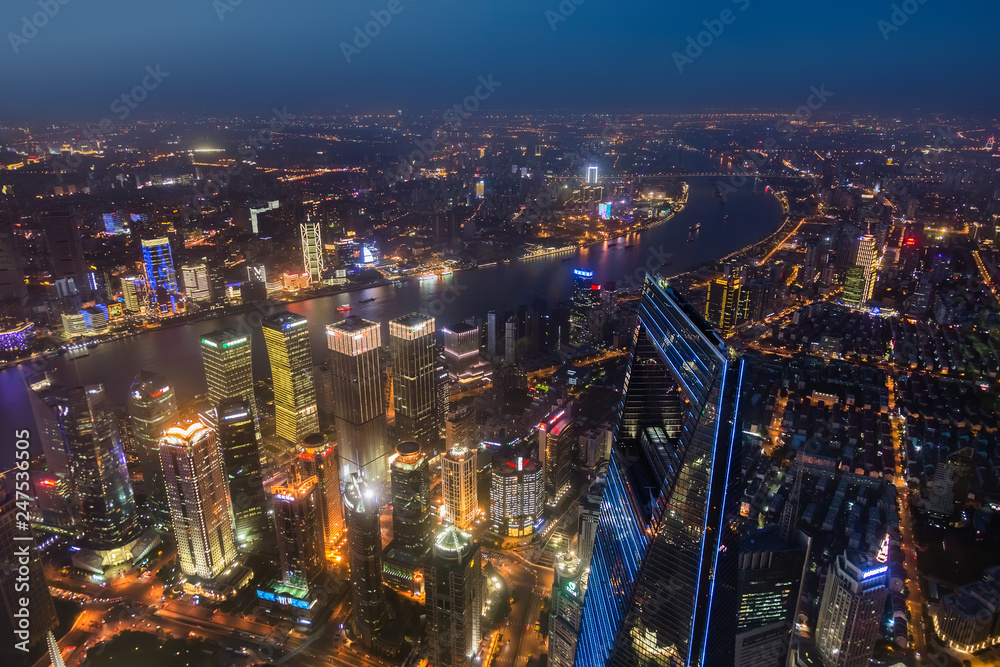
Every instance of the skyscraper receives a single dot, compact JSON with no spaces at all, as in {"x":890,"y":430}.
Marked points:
{"x":950,"y":490}
{"x":364,"y":538}
{"x":299,"y":531}
{"x":199,"y":501}
{"x":491,"y":334}
{"x":312,"y":249}
{"x":414,"y":384}
{"x":359,"y":398}
{"x":867,"y":261}
{"x":586,"y":299}
{"x":662,"y":587}
{"x":590,"y":514}
{"x":318,"y":458}
{"x":288,"y":348}
{"x":516,"y":496}
{"x":64,"y":236}
{"x":12,"y":286}
{"x":461,"y":349}
{"x":454,"y":594}
{"x":105,"y":504}
{"x":592,"y":173}
{"x":556,"y":445}
{"x":459,"y":487}
{"x":237,"y":438}
{"x":152,"y":408}
{"x":566,"y":610}
{"x":851,"y":610}
{"x":228,"y":366}
{"x":196,"y":283}
{"x":411,"y":501}
{"x":159,"y":264}
{"x":728,"y":301}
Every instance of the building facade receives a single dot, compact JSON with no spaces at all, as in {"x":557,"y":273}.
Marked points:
{"x":237,"y":436}
{"x":152,"y":408}
{"x":459,"y":487}
{"x":851,"y":610}
{"x":414,"y":381}
{"x":290,"y":353}
{"x":454,"y":594}
{"x":364,"y":538}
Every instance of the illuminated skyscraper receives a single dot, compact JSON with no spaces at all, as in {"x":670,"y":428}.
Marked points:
{"x":152,"y":408}
{"x":134,"y":292}
{"x":461,"y":349}
{"x":359,"y":398}
{"x":312,"y":250}
{"x":662,"y":586}
{"x":318,"y":458}
{"x":566,"y":610}
{"x":228,"y":366}
{"x":411,"y":501}
{"x":159,"y":264}
{"x":592,"y":174}
{"x":196,"y":284}
{"x":516,"y":496}
{"x":237,"y":436}
{"x":459,"y":487}
{"x":199,"y":501}
{"x":586,"y":299}
{"x":728,"y":301}
{"x":64,"y":238}
{"x":299,"y":531}
{"x":364,"y":538}
{"x":454,"y":594}
{"x":288,"y":348}
{"x":557,"y":443}
{"x":851,"y":610}
{"x":105,"y":504}
{"x":867,"y":261}
{"x":414,"y":383}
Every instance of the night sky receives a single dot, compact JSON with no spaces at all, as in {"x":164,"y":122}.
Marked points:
{"x":606,"y":55}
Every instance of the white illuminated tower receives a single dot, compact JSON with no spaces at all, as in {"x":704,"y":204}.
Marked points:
{"x":458,"y":487}
{"x":851,"y":610}
{"x":199,"y":500}
{"x":592,"y":175}
{"x":312,"y":250}
{"x":454,"y":592}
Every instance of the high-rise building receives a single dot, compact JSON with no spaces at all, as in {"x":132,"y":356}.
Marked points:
{"x":364,"y":538}
{"x":590,"y":513}
{"x":556,"y":445}
{"x":196,"y":283}
{"x":950,"y":490}
{"x":442,"y":393}
{"x":152,"y":408}
{"x":854,"y":286}
{"x":288,"y":348}
{"x":237,"y":438}
{"x":12,"y":285}
{"x":228,"y":366}
{"x":24,"y":593}
{"x":728,"y":301}
{"x":460,"y":428}
{"x":299,"y":530}
{"x":516,"y":496}
{"x":134,"y":293}
{"x":64,"y":235}
{"x":199,"y":501}
{"x":461,"y":349}
{"x":851,"y":610}
{"x":312,"y":250}
{"x":411,"y":502}
{"x":566,"y":609}
{"x":359,"y":398}
{"x":454,"y":595}
{"x":669,"y":513}
{"x":101,"y":485}
{"x":867,"y":261}
{"x":459,"y":480}
{"x":492,"y":321}
{"x":586,"y":300}
{"x":318,"y":458}
{"x":159,"y":264}
{"x":592,"y":173}
{"x":510,"y":341}
{"x":414,"y":382}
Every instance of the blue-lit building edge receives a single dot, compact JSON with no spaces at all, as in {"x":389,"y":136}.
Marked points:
{"x":619,"y":547}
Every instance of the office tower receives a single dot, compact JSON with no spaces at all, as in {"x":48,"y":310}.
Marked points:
{"x":152,"y":408}
{"x":24,"y":593}
{"x":113,"y":224}
{"x":159,"y":264}
{"x":312,"y":250}
{"x":318,"y":458}
{"x":105,"y":504}
{"x":414,"y":381}
{"x":854,"y":286}
{"x":460,"y":428}
{"x":65,"y":243}
{"x":586,"y":298}
{"x":770,"y":573}
{"x":12,"y":285}
{"x":228,"y":366}
{"x":867,"y":261}
{"x":590,"y":513}
{"x":516,"y":496}
{"x":364,"y":539}
{"x":592,"y":175}
{"x":510,"y":341}
{"x":237,"y":438}
{"x":566,"y":609}
{"x":254,"y":212}
{"x":491,"y":334}
{"x":300,"y":537}
{"x":556,"y":445}
{"x":851,"y":610}
{"x":950,"y":489}
{"x":196,"y":284}
{"x":728,"y":301}
{"x":442,"y":394}
{"x":411,"y":502}
{"x":459,"y":483}
{"x":134,"y":293}
{"x":664,"y":562}
{"x":461,"y":348}
{"x":454,"y":594}
{"x":295,"y":413}
{"x":195,"y":480}
{"x":323,"y":379}
{"x":256,"y":273}
{"x":359,"y":398}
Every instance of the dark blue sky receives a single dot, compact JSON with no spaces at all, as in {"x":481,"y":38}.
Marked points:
{"x":606,"y":55}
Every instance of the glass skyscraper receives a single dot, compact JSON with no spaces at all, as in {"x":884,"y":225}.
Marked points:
{"x":662,"y":585}
{"x":287,"y":338}
{"x":159,"y":264}
{"x":228,"y":367}
{"x":237,"y":438}
{"x":364,"y":539}
{"x":152,"y":408}
{"x":411,"y":341}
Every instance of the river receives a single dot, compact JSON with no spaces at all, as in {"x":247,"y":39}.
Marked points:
{"x":175,"y":351}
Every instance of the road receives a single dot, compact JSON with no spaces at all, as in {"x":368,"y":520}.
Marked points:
{"x":528,"y":584}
